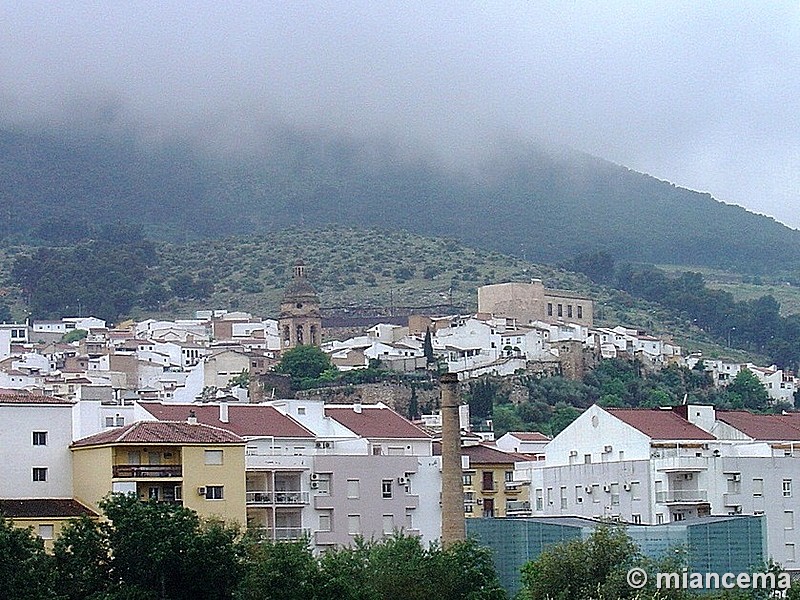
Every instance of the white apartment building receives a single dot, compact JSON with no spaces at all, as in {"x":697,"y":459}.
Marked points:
{"x":654,"y":466}
{"x":35,"y":434}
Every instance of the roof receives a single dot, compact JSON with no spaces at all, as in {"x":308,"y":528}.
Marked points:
{"x":246,"y":420}
{"x":44,"y":507}
{"x":660,"y":424}
{"x":485,"y":454}
{"x":161,"y":432}
{"x":530,"y":436}
{"x":375,"y":421}
{"x":762,"y":427}
{"x":20,"y":397}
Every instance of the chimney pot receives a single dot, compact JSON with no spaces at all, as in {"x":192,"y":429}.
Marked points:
{"x":192,"y":420}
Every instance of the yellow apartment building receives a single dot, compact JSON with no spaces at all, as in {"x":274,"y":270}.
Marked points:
{"x":489,"y":486}
{"x":45,"y":516}
{"x":198,"y":466}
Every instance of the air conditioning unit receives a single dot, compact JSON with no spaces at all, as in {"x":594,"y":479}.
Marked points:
{"x":626,"y":487}
{"x":736,"y":477}
{"x":401,"y":481}
{"x":573,"y":453}
{"x":607,"y":448}
{"x":314,"y":485}
{"x":201,"y":491}
{"x":737,"y":510}
{"x":318,"y":444}
{"x":326,"y":444}
{"x":688,"y":476}
{"x":314,"y":477}
{"x":588,"y":489}
{"x":606,"y":488}
{"x":479,"y":501}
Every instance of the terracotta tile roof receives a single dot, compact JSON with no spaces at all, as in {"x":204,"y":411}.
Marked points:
{"x":247,"y":420}
{"x":660,"y":424}
{"x":375,"y":421}
{"x":161,"y":432}
{"x":483,"y":454}
{"x":763,"y":427}
{"x":45,"y":508}
{"x":530,"y":436}
{"x":20,"y":397}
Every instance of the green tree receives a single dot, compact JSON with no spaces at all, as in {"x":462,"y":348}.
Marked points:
{"x":165,"y":551}
{"x":26,"y":571}
{"x":278,"y":570}
{"x":74,"y":336}
{"x":82,"y":560}
{"x":747,"y":390}
{"x":304,"y":362}
{"x":5,"y":313}
{"x":241,"y":380}
{"x":427,"y":347}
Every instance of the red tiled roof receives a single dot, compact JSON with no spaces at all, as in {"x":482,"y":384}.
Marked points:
{"x":660,"y":424}
{"x":530,"y":436}
{"x":375,"y":421}
{"x":763,"y":427}
{"x":161,"y":432}
{"x":19,"y":397}
{"x":248,"y":420}
{"x":44,"y":508}
{"x":482,"y":454}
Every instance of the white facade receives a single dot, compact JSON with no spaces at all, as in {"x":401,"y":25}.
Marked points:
{"x":35,"y":461}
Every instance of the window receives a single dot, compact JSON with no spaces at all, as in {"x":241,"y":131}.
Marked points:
{"x":636,"y":490}
{"x":467,"y":479}
{"x":787,"y":488}
{"x":488,"y":481}
{"x":213,"y":457}
{"x":788,"y":519}
{"x":469,"y":501}
{"x":539,"y":499}
{"x":301,"y":410}
{"x":636,"y":519}
{"x":563,"y":497}
{"x":758,"y":487}
{"x":214,"y":492}
{"x":40,"y":438}
{"x":353,"y":524}
{"x":109,"y":421}
{"x":323,"y":484}
{"x":40,"y":473}
{"x":325,"y":522}
{"x":377,"y":450}
{"x":352,"y":488}
{"x":509,"y":476}
{"x":580,"y":312}
{"x":388,"y":524}
{"x":578,"y":493}
{"x":46,"y":532}
{"x":386,"y":488}
{"x":790,"y":555}
{"x":569,"y":311}
{"x":560,"y":310}
{"x":549,"y":309}
{"x":660,"y":519}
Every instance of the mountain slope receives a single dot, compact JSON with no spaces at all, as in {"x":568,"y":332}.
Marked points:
{"x":544,"y":205}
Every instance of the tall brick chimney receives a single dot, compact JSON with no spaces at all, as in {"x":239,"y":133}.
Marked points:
{"x":453,"y":527}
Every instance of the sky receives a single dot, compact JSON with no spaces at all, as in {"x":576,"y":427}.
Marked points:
{"x":703,"y":94}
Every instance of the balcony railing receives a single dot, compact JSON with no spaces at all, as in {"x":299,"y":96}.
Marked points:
{"x":284,"y":497}
{"x":135,"y":471}
{"x":677,"y":496}
{"x":284,"y":533}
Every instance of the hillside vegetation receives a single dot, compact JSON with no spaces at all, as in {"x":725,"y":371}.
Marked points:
{"x":542,"y":205}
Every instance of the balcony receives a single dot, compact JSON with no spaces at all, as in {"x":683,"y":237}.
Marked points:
{"x":682,"y":497}
{"x":146,"y":471}
{"x":280,"y":498}
{"x":284,"y":534}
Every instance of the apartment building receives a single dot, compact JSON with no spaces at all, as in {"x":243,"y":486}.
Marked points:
{"x":654,"y":466}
